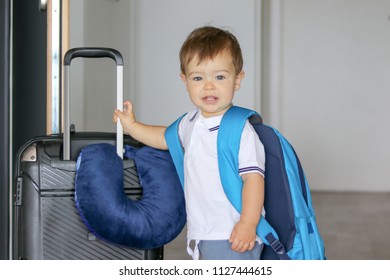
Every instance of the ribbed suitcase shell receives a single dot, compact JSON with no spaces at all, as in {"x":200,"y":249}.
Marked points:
{"x":46,"y":222}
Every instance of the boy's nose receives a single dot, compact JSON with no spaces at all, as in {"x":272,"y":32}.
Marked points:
{"x":209,"y":85}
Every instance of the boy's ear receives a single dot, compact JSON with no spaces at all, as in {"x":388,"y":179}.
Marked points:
{"x":183,"y":78}
{"x":239,"y":78}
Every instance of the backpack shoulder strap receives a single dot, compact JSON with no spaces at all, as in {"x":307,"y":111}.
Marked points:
{"x":228,"y":145}
{"x":175,"y":148}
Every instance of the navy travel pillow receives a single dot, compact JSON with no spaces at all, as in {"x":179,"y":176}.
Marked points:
{"x":150,"y":222}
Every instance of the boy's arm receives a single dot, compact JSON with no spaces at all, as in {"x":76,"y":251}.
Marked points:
{"x":150,"y":135}
{"x":243,"y":236}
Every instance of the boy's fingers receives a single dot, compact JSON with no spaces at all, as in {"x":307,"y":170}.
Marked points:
{"x":115,"y":115}
{"x":127,"y":106}
{"x":240,"y":246}
{"x":232,"y":235}
{"x":235,"y":245}
{"x":118,"y":114}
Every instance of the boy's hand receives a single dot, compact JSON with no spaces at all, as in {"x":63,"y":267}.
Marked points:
{"x":150,"y":135}
{"x":243,"y":237}
{"x":126,"y":117}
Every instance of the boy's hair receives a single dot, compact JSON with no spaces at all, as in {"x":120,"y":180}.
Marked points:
{"x":206,"y":43}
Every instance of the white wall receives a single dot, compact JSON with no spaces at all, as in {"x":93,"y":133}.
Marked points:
{"x":160,"y":29}
{"x":97,"y":23}
{"x":149,"y":34}
{"x":325,"y":74}
{"x":76,"y":27}
{"x":335,"y":90}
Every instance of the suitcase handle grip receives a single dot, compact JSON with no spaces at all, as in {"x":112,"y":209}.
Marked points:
{"x":92,"y":53}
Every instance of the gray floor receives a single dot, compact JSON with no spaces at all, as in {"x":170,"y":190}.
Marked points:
{"x":354,"y":226}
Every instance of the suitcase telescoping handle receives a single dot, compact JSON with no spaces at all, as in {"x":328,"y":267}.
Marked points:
{"x":92,"y":53}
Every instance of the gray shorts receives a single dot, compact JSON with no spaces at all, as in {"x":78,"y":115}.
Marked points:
{"x":220,"y":250}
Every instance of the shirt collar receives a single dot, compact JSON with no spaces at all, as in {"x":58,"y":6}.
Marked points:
{"x":211,"y":123}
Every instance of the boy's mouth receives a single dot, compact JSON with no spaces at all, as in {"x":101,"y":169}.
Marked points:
{"x":209,"y":98}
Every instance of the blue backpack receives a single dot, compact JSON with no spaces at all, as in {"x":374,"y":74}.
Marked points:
{"x":289,"y":229}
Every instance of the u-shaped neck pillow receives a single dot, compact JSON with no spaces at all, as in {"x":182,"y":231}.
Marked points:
{"x":150,"y":222}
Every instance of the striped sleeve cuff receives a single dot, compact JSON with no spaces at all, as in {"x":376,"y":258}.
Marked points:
{"x":250,"y":169}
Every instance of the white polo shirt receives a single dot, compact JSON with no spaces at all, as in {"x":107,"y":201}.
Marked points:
{"x":210,"y":215}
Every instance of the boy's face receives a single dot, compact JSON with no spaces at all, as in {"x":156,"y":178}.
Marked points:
{"x":211,"y":83}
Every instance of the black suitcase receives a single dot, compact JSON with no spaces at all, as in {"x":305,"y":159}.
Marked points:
{"x":46,"y":223}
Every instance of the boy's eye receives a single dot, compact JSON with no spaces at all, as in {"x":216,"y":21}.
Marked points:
{"x":197,"y":78}
{"x":220,"y":77}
